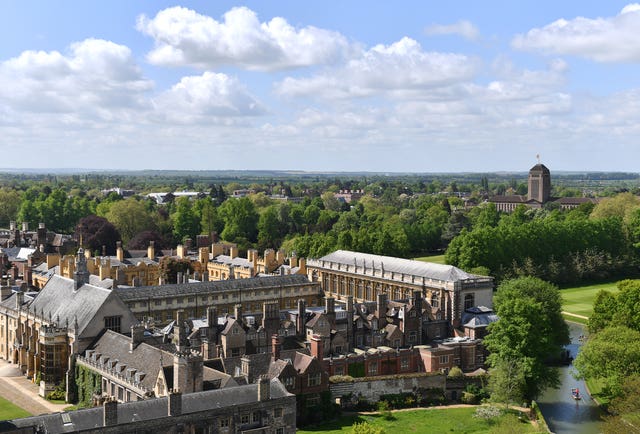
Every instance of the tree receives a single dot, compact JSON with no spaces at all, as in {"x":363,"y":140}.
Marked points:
{"x":269,"y":229}
{"x":185,"y":223}
{"x":507,"y":381}
{"x":142,"y":240}
{"x":611,"y":355}
{"x":530,"y":330}
{"x":170,"y":267}
{"x":9,"y":205}
{"x":240,"y":219}
{"x":131,"y":217}
{"x":604,"y":307}
{"x":96,"y":232}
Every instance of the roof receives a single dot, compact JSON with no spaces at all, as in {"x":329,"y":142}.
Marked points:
{"x":144,"y":358}
{"x":149,"y":409}
{"x":540,"y":168}
{"x":64,"y":305}
{"x":181,"y":289}
{"x":409,"y":267}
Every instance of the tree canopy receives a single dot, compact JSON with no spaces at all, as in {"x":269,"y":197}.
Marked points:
{"x":530,"y":330}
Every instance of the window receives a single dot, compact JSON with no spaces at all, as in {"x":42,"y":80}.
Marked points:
{"x":112,"y":323}
{"x":157,"y":302}
{"x":256,"y":416}
{"x":244,"y":419}
{"x":313,"y":401}
{"x":469,"y":301}
{"x":444,"y":359}
{"x":412,"y":336}
{"x":191,"y":300}
{"x":373,"y":368}
{"x":224,"y":422}
{"x":277,"y":412}
{"x":169,"y":301}
{"x":339,"y":370}
{"x":404,"y":363}
{"x":180,"y":300}
{"x":434,"y":300}
{"x":289,"y":382}
{"x":396,"y":343}
{"x":338,"y":349}
{"x":315,"y":379}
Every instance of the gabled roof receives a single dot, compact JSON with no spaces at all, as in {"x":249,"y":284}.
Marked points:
{"x":64,"y":305}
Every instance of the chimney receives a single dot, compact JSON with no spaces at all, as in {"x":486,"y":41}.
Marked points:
{"x":302,"y":263}
{"x":41,"y":235}
{"x":264,"y":389}
{"x":151,"y":250}
{"x":275,"y":346}
{"x":179,"y":331}
{"x":203,"y":255}
{"x":180,"y":252}
{"x":81,"y":275}
{"x":302,"y":314}
{"x":280,"y":257}
{"x":381,"y":305}
{"x":175,"y":402}
{"x":293,"y":261}
{"x":233,"y":252}
{"x":217,"y":249}
{"x":19,"y":299}
{"x":317,"y":349}
{"x":119,"y":251}
{"x":137,"y":336}
{"x":212,"y":317}
{"x":25,"y":226}
{"x":110,"y":414}
{"x":237,"y":310}
{"x":330,"y":310}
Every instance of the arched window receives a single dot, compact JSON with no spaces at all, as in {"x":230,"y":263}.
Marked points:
{"x":434,"y":300}
{"x":469,"y":301}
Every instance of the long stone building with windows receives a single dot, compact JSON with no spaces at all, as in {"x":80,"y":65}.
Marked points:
{"x":447,"y":289}
{"x":162,"y":302}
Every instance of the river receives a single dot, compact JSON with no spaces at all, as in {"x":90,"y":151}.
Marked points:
{"x":563,"y":414}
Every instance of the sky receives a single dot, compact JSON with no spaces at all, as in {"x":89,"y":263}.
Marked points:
{"x":346,"y":86}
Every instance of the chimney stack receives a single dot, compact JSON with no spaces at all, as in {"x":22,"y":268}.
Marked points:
{"x":137,"y":336}
{"x":317,"y":349}
{"x":276,"y":346}
{"x":110,"y":414}
{"x":175,"y":402}
{"x":264,"y":389}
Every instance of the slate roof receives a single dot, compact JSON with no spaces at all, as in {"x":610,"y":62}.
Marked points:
{"x":181,"y":289}
{"x":236,"y":262}
{"x":409,"y":267}
{"x":149,"y":409}
{"x":59,"y":300}
{"x":479,"y":316}
{"x":144,"y":358}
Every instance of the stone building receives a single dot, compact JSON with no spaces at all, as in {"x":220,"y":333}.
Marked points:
{"x":538,"y":194}
{"x":161,"y":302}
{"x":446,"y":290}
{"x":40,"y":333}
{"x":265,"y":407}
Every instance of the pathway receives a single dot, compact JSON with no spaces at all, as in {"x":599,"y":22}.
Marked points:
{"x":18,"y":389}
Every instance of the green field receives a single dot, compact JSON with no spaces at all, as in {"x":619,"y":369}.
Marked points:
{"x":438,"y":259}
{"x":10,"y":411}
{"x":451,"y":420}
{"x":578,"y":300}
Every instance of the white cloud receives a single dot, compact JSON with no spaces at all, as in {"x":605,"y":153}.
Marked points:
{"x":464,"y":28}
{"x":94,"y":77}
{"x":184,"y":37}
{"x":205,"y":97}
{"x":401,"y":66}
{"x":611,"y":39}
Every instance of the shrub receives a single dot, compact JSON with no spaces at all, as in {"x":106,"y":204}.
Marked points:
{"x":487,"y":412}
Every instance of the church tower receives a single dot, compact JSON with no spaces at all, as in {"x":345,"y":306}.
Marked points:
{"x":539,"y":183}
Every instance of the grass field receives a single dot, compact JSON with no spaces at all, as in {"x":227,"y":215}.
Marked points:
{"x":578,"y":300}
{"x":438,"y":259}
{"x":8,"y":410}
{"x":452,"y":420}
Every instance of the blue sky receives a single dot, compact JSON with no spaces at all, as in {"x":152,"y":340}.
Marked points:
{"x":404,"y":86}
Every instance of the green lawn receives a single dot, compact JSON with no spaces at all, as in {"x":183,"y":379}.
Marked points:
{"x":452,"y":420}
{"x":579,"y":299}
{"x":8,"y":410}
{"x":438,"y":259}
